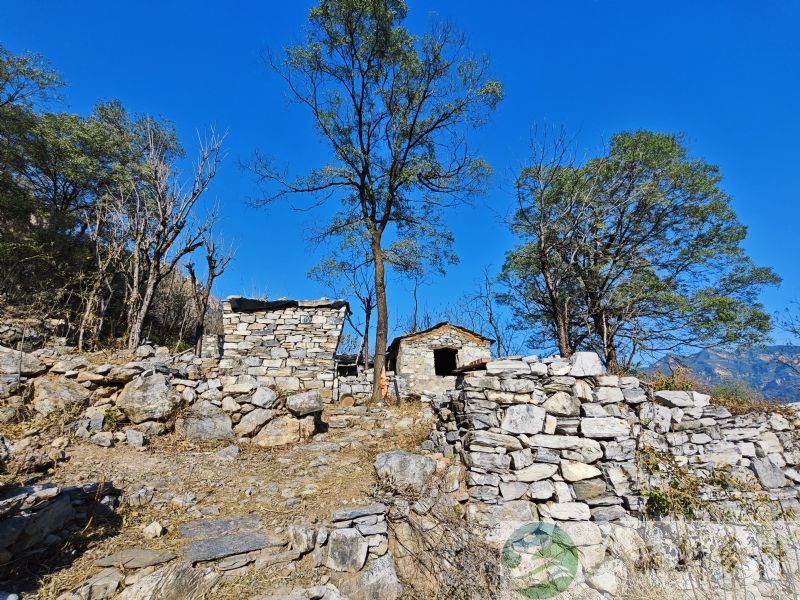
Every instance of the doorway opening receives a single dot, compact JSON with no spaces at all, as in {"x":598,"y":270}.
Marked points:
{"x":445,"y":361}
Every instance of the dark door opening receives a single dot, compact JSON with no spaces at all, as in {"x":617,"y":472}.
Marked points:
{"x":445,"y":361}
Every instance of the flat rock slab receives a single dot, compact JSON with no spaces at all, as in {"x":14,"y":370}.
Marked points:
{"x":135,"y":558}
{"x":228,"y":545}
{"x":212,"y":528}
{"x":348,"y":514}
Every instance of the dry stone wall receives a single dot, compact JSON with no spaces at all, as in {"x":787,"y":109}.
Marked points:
{"x":288,"y":346}
{"x":562,"y":441}
{"x":565,"y":436}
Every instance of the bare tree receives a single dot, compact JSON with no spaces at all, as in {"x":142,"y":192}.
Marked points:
{"x":161,"y":224}
{"x":217,"y":258}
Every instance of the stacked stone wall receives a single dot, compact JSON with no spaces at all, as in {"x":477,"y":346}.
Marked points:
{"x":290,"y":348}
{"x":562,"y":441}
{"x":565,"y":436}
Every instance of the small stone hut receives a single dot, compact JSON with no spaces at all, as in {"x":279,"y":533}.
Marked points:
{"x":285,"y":344}
{"x":427,"y":360}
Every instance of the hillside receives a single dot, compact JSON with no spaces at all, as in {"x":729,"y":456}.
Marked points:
{"x":773,"y":371}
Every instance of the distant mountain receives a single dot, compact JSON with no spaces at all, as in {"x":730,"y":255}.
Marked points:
{"x":763,"y":369}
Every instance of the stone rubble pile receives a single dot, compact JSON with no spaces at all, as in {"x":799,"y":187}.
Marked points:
{"x":34,"y":517}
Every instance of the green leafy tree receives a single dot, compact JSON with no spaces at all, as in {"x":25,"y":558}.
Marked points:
{"x":393,"y":109}
{"x":633,"y":252}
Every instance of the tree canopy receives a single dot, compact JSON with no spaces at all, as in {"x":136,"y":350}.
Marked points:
{"x":636,"y":251}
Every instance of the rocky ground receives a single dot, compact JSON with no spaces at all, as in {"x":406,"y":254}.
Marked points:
{"x":171,"y":482}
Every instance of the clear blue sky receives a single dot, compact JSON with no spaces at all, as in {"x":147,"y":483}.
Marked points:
{"x":727,"y":73}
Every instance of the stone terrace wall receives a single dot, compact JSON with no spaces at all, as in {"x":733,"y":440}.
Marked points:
{"x":563,"y":436}
{"x":288,"y":345}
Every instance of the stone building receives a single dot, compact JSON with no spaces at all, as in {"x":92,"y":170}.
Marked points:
{"x":426,"y":361}
{"x":285,"y":344}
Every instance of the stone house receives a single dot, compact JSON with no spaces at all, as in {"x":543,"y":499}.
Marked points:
{"x":286,"y":344}
{"x":427,"y":360}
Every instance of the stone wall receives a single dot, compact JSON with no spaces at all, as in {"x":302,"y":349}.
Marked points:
{"x":415,"y":357}
{"x":562,"y":441}
{"x":288,"y":345}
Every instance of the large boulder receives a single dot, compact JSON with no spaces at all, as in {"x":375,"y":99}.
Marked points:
{"x":284,"y":430}
{"x":252,"y":421}
{"x":585,"y":364}
{"x":13,"y":362}
{"x":204,"y":422}
{"x":50,"y":395}
{"x":148,"y":398}
{"x":305,"y":403}
{"x":404,"y":471}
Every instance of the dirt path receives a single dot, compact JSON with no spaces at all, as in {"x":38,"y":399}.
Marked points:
{"x":178,"y":482}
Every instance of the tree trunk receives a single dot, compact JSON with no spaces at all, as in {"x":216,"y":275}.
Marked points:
{"x":365,"y":344}
{"x":562,"y":336}
{"x":382,"y":326}
{"x":135,"y":335}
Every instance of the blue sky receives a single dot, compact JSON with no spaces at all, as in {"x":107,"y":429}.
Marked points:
{"x":726,"y":73}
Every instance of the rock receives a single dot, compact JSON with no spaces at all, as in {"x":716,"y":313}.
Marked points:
{"x":609,"y":578}
{"x":346,"y":550}
{"x":634,"y":395}
{"x":173,"y":582}
{"x":204,"y":422}
{"x":492,"y":439}
{"x":604,"y":427}
{"x":13,"y":362}
{"x":102,"y":586}
{"x":228,"y":545}
{"x":348,"y":514}
{"x":253,"y":421}
{"x":589,"y":488}
{"x":302,"y":538}
{"x":147,"y":398}
{"x":134,"y":438}
{"x":284,"y":430}
{"x":377,"y":582}
{"x":523,"y":418}
{"x":154,"y":530}
{"x":135,"y":558}
{"x":228,"y":452}
{"x":145,"y":351}
{"x":576,"y":471}
{"x":585,"y":364}
{"x":103,"y":438}
{"x":305,"y":403}
{"x":535,"y":472}
{"x":404,"y":471}
{"x":50,"y":395}
{"x":608,"y":395}
{"x":513,"y":490}
{"x":672,"y":398}
{"x":768,"y":473}
{"x":655,"y":417}
{"x":562,"y":404}
{"x":506,"y":366}
{"x":566,"y":511}
{"x":230,"y":405}
{"x":541,"y":490}
{"x":212,"y":528}
{"x":263,"y":397}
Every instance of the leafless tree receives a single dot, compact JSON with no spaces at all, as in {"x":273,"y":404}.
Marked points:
{"x":161,"y":224}
{"x":217,"y":257}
